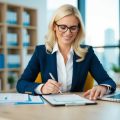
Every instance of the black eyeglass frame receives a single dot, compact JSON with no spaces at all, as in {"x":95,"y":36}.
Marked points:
{"x":77,"y":26}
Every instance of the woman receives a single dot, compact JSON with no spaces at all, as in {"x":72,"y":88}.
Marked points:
{"x":63,"y":59}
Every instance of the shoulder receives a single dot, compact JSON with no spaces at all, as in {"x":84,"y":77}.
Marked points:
{"x":87,"y":47}
{"x":40,"y":49}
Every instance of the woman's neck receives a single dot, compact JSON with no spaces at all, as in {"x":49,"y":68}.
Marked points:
{"x":64,"y":50}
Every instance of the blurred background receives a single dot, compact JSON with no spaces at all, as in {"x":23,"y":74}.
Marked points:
{"x":23,"y":25}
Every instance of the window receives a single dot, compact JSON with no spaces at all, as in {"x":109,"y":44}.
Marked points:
{"x":102,"y":30}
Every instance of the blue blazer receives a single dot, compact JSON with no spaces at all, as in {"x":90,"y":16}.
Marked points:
{"x":44,"y":63}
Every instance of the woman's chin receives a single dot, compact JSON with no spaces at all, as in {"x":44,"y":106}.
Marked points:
{"x":66,"y":42}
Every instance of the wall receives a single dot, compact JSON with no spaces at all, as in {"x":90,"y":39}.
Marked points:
{"x":40,"y":5}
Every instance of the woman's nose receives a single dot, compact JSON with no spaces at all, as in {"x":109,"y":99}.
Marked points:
{"x":68,"y":31}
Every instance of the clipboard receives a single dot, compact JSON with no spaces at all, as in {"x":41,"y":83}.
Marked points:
{"x":67,"y":100}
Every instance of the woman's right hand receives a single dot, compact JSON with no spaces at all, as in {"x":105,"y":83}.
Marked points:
{"x":51,"y":86}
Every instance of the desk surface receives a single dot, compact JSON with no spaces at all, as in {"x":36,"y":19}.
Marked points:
{"x":104,"y":110}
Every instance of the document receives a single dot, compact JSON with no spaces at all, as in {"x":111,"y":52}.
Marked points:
{"x":18,"y":98}
{"x":33,"y":100}
{"x":13,"y":97}
{"x":67,"y":99}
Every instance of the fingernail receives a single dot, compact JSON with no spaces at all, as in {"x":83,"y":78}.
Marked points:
{"x":94,"y":98}
{"x":90,"y":98}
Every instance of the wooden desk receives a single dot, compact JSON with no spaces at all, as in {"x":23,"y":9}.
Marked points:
{"x":102,"y":111}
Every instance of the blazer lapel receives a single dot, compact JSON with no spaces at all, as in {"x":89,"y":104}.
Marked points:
{"x":75,"y":68}
{"x":53,"y":65}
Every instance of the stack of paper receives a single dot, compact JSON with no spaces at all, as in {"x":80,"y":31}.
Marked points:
{"x":18,"y":98}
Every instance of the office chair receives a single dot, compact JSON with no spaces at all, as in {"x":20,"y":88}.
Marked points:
{"x":88,"y":85}
{"x":89,"y":82}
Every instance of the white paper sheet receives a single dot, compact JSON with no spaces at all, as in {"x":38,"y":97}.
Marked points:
{"x":18,"y":98}
{"x":13,"y":97}
{"x":68,"y":98}
{"x":35,"y":99}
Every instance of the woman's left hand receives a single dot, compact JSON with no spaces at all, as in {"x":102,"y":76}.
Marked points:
{"x":96,"y":92}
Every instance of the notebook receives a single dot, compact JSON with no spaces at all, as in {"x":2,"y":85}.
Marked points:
{"x":115,"y":97}
{"x":67,"y":100}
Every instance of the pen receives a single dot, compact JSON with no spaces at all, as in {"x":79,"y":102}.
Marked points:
{"x":54,"y":79}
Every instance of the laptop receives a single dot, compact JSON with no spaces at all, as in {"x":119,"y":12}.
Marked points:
{"x":115,"y":97}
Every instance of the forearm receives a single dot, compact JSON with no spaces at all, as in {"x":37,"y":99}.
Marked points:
{"x":26,"y":87}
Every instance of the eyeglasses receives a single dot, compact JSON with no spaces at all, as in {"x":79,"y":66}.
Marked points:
{"x":63,"y":28}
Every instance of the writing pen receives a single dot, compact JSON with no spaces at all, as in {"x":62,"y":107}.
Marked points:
{"x":54,"y":79}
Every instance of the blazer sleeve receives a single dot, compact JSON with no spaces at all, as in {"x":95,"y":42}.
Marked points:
{"x":98,"y":72}
{"x":26,"y":82}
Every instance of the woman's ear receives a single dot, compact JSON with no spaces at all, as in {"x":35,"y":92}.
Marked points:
{"x":54,"y":27}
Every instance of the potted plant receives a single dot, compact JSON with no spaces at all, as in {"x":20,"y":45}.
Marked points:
{"x":116,"y":70}
{"x":11,"y":81}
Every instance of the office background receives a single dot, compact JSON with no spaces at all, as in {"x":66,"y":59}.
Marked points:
{"x":101,"y":19}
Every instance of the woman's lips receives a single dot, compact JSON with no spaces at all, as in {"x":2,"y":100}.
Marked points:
{"x":67,"y":38}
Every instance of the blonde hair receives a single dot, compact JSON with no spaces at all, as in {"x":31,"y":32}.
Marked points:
{"x":61,"y":12}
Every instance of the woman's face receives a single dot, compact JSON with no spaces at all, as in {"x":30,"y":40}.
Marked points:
{"x":66,"y":30}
